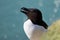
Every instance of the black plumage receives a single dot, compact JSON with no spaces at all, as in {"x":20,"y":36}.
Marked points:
{"x":35,"y":16}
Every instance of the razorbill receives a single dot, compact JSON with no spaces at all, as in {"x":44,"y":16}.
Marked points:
{"x":34,"y":26}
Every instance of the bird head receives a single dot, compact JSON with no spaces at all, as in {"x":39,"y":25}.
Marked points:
{"x":32,"y":13}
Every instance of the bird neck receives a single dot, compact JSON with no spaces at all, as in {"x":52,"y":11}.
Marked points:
{"x":40,"y":22}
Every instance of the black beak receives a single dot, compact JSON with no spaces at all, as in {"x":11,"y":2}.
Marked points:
{"x":24,"y":10}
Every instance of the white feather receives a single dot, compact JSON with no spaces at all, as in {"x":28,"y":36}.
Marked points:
{"x":33,"y":31}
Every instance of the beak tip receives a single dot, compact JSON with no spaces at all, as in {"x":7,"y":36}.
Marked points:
{"x":24,"y":10}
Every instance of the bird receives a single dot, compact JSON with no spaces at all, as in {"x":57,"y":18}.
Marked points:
{"x":34,"y":27}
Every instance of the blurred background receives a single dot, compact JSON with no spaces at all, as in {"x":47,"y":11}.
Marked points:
{"x":11,"y":19}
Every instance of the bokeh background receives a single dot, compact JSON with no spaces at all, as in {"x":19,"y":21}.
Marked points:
{"x":11,"y":19}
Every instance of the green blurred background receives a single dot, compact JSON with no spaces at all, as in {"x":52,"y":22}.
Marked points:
{"x":11,"y":19}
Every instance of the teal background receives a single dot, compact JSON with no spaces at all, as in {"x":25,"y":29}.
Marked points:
{"x":11,"y":19}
